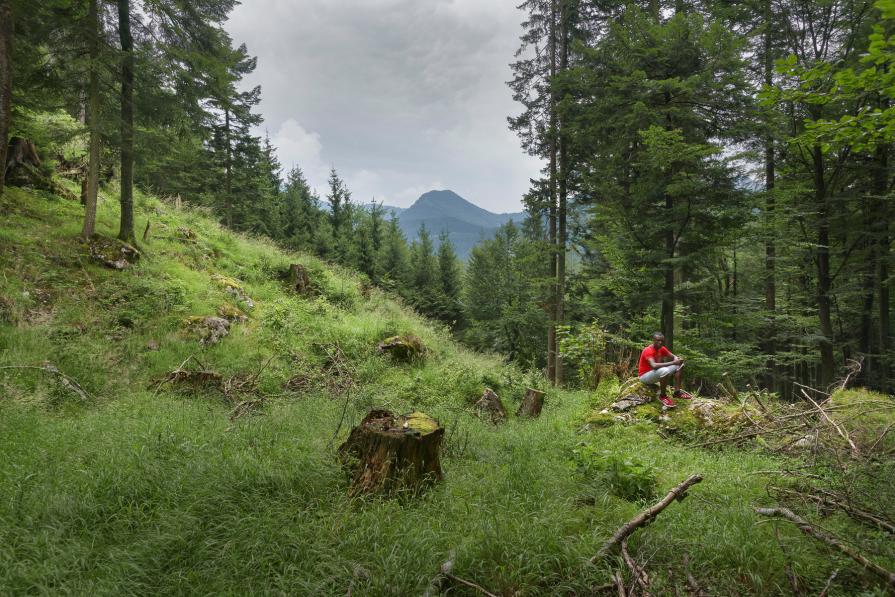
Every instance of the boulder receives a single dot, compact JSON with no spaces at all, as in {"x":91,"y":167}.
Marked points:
{"x":113,"y":253}
{"x":209,"y":329}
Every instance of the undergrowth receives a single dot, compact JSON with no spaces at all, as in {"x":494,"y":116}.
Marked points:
{"x":144,"y":487}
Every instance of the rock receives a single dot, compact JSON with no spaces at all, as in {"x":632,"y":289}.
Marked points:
{"x":389,"y":454}
{"x":489,"y":406}
{"x":405,"y":348}
{"x":630,"y":401}
{"x":232,"y":287}
{"x":209,"y":329}
{"x":186,"y":234}
{"x":152,"y":345}
{"x":232,"y":314}
{"x":113,"y":253}
{"x":704,"y":410}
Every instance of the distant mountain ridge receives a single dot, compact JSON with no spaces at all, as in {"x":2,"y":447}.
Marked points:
{"x":466,"y":223}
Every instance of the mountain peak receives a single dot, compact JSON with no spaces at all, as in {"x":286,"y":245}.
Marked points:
{"x":446,"y":211}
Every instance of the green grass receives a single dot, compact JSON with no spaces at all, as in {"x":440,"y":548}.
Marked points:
{"x":138,"y":491}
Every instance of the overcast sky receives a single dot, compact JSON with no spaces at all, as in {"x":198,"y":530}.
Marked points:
{"x":401,"y":96}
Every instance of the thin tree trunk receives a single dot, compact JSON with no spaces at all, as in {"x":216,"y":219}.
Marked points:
{"x":551,"y":330}
{"x":668,"y":290}
{"x":6,"y":35}
{"x":126,"y":231}
{"x":868,"y":290}
{"x":93,"y":122}
{"x":880,"y":185}
{"x":770,"y":279}
{"x":827,"y":365}
{"x":563,"y":195}
{"x":228,"y":168}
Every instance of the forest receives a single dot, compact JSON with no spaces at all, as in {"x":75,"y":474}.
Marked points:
{"x":714,"y":170}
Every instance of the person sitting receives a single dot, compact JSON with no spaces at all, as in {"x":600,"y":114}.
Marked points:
{"x":657,"y":363}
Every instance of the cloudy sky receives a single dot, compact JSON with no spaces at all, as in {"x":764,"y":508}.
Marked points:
{"x":401,"y":96}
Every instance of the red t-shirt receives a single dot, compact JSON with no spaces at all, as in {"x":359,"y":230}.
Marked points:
{"x":651,"y":353}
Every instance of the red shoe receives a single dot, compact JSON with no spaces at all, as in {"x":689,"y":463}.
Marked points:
{"x":682,"y":394}
{"x":666,"y":401}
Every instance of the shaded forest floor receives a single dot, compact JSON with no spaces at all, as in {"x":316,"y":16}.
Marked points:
{"x":141,"y":486}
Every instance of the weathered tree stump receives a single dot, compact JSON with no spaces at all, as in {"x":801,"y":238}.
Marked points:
{"x":23,"y":169}
{"x":300,"y":280}
{"x":532,"y":403}
{"x":404,"y":348}
{"x":387,"y":453}
{"x":490,"y":406}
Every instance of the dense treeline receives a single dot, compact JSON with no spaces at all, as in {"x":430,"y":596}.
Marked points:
{"x":154,"y":92}
{"x":720,"y":171}
{"x":717,"y":170}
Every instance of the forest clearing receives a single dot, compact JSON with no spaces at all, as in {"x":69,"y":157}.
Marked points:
{"x":653,"y":356}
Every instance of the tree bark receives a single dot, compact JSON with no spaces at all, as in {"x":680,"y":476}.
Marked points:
{"x":126,"y":230}
{"x":228,"y":167}
{"x":827,"y":364}
{"x":668,"y":269}
{"x":564,"y":17}
{"x":6,"y":38}
{"x":880,"y":186}
{"x":93,"y":123}
{"x":770,"y":276}
{"x":551,"y":214}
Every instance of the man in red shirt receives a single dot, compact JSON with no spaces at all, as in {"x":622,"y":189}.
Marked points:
{"x":657,"y":364}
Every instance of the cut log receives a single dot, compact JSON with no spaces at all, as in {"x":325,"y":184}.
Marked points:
{"x":389,"y":454}
{"x":532,"y":403}
{"x":300,"y":280}
{"x":490,"y":407}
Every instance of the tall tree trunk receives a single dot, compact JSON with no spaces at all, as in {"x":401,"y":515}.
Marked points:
{"x":770,"y":247}
{"x":6,"y":34}
{"x":93,"y":122}
{"x":551,"y":330}
{"x":827,"y":365}
{"x":228,"y":169}
{"x":563,"y":193}
{"x":126,"y":231}
{"x":668,"y":268}
{"x":880,"y":186}
{"x":868,"y":289}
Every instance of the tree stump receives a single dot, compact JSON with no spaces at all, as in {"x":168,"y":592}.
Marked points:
{"x":532,"y":403}
{"x":387,"y":454}
{"x":490,"y":406}
{"x":406,"y":348}
{"x":300,"y":280}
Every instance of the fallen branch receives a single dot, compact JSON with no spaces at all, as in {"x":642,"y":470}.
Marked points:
{"x":839,"y":430}
{"x":829,"y":582}
{"x":749,"y":435}
{"x":619,"y":584}
{"x":809,"y":529}
{"x":639,"y":574}
{"x":66,"y":381}
{"x":646,"y":516}
{"x":691,"y":580}
{"x":860,"y":515}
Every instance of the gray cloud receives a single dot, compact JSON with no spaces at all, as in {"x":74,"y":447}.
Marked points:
{"x":401,"y":96}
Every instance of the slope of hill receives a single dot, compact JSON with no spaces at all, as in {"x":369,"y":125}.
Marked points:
{"x":465,"y":223}
{"x":118,"y":477}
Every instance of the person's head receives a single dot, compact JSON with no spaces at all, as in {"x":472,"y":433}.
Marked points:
{"x":658,"y":339}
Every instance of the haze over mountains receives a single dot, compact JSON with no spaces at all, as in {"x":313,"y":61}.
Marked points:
{"x":466,"y":224}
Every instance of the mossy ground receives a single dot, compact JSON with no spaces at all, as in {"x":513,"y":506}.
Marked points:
{"x":148,"y":489}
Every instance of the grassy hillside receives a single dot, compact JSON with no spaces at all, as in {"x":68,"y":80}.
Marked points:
{"x":142,"y":487}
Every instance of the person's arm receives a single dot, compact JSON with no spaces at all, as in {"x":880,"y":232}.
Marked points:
{"x":675,"y":360}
